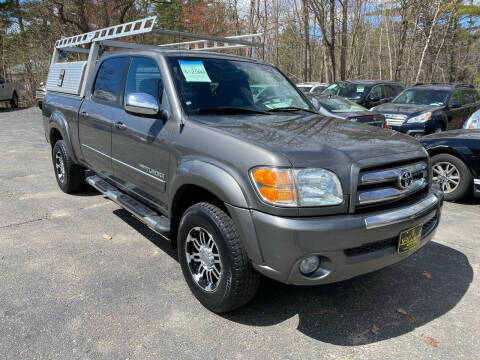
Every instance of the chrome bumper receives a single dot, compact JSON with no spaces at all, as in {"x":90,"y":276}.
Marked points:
{"x":404,"y":214}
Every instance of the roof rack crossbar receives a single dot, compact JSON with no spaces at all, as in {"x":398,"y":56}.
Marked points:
{"x":127,"y":29}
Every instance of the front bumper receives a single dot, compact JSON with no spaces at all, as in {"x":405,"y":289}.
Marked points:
{"x":348,"y":245}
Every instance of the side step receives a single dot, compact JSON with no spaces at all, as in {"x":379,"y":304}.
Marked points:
{"x":158,"y":223}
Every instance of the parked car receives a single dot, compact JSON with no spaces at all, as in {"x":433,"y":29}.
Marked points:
{"x":8,"y":92}
{"x":312,"y":87}
{"x":40,"y":95}
{"x":426,"y":109}
{"x":241,"y":186}
{"x":337,"y":107}
{"x":455,"y":157}
{"x":367,"y":93}
{"x":473,"y":122}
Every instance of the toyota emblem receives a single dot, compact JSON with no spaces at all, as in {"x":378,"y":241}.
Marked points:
{"x":405,"y":179}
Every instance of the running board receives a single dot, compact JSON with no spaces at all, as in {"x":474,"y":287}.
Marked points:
{"x":158,"y":223}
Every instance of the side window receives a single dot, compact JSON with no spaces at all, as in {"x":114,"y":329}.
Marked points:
{"x":144,"y":77}
{"x":108,"y":84}
{"x":397,"y":89}
{"x":467,"y":97}
{"x":475,"y":95}
{"x":376,"y":92}
{"x":456,"y":97}
{"x":389,"y":91}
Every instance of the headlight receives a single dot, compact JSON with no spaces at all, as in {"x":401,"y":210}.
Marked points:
{"x":420,"y":118}
{"x":297,"y":187}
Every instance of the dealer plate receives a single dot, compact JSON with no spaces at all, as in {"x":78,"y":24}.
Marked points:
{"x":409,"y":239}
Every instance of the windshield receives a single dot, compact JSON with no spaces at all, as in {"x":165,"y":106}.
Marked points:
{"x":347,"y":90}
{"x":337,"y":104}
{"x":422,"y":97}
{"x":215,"y":84}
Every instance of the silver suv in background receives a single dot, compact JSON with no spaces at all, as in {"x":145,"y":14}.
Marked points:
{"x":312,"y":87}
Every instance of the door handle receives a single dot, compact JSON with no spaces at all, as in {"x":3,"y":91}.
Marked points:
{"x":84,"y":113}
{"x":121,"y":126}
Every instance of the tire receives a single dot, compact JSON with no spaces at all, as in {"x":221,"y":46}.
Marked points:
{"x":70,"y":177}
{"x":458,"y":170}
{"x":238,"y":282}
{"x":14,"y":101}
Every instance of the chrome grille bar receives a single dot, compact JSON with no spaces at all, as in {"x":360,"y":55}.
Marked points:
{"x":389,"y":193}
{"x":387,"y":175}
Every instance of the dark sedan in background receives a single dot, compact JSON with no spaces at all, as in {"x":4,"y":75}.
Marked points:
{"x":367,"y":93}
{"x":427,"y":109}
{"x":455,"y":161}
{"x":338,"y":107}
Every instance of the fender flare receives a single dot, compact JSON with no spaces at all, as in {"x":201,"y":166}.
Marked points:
{"x":211,"y":178}
{"x":58,"y":122}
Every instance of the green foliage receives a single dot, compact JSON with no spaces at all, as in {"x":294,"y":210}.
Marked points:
{"x":169,"y":14}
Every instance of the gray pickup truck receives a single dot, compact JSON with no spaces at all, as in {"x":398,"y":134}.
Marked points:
{"x":8,"y":93}
{"x":241,"y":182}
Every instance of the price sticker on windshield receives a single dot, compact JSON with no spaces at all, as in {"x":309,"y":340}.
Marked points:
{"x":194,"y":71}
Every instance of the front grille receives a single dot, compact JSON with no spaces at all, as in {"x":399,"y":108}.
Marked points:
{"x":380,"y":185}
{"x":427,"y":228}
{"x":395,"y":119}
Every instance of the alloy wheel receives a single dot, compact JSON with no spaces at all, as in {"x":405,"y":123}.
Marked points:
{"x":203,"y":259}
{"x":447,"y":175}
{"x":59,"y":166}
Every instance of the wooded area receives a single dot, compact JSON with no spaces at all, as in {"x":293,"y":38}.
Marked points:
{"x":310,"y":40}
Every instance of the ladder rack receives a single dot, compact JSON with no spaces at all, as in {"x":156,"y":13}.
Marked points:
{"x":72,"y":77}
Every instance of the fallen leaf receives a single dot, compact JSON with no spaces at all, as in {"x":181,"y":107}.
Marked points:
{"x":401,"y":311}
{"x":409,"y":316}
{"x":374,"y":329}
{"x":432,"y":341}
{"x":319,"y":310}
{"x":427,"y":275}
{"x":107,"y":237}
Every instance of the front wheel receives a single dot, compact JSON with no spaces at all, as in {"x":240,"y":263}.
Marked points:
{"x":213,"y":259}
{"x":453,"y":175}
{"x":14,"y":101}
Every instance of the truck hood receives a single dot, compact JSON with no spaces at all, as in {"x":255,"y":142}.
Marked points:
{"x":405,"y":109}
{"x":314,"y":140}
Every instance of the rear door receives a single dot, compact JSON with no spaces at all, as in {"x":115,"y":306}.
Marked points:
{"x":100,"y":109}
{"x":469,"y":100}
{"x":139,"y":142}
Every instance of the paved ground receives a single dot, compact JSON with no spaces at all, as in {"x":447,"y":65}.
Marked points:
{"x":65,"y":292}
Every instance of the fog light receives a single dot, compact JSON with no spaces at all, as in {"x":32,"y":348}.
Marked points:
{"x":309,"y":265}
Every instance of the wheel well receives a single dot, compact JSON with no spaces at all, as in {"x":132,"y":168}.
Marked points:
{"x":449,"y":151}
{"x":55,"y":136}
{"x":186,"y":196}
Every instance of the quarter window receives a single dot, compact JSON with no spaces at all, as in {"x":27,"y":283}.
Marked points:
{"x":108,"y":84}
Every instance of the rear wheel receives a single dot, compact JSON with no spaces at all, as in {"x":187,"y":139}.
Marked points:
{"x":453,"y":176}
{"x":70,"y":177}
{"x":14,"y":101}
{"x":213,"y":259}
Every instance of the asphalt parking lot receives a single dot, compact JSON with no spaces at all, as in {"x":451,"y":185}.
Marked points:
{"x":67,"y":292}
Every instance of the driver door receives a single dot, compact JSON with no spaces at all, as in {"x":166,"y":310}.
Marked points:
{"x":139,"y":142}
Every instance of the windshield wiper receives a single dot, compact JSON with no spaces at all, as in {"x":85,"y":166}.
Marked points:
{"x":291,"y":108}
{"x":229,"y":109}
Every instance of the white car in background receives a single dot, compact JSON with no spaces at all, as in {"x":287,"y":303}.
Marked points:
{"x":8,"y":92}
{"x":473,"y":121}
{"x":312,"y":87}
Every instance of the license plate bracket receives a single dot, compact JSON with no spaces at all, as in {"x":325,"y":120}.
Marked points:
{"x":408,"y":239}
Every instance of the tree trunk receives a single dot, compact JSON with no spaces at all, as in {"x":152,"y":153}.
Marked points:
{"x":343,"y":50}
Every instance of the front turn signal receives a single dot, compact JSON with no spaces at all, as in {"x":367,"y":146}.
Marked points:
{"x":275,"y":186}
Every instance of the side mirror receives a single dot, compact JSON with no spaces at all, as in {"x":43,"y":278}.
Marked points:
{"x":141,"y":103}
{"x":374,"y":98}
{"x":455,"y":105}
